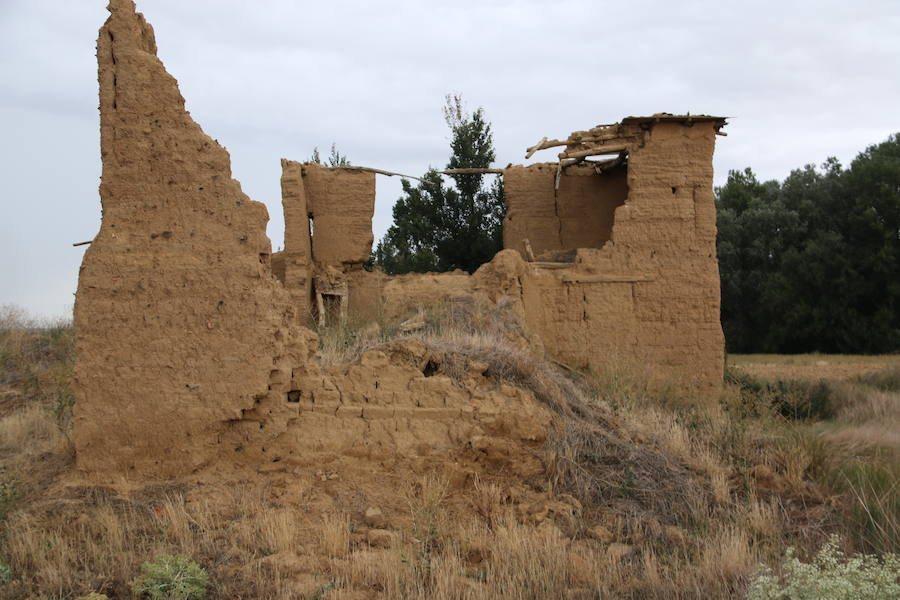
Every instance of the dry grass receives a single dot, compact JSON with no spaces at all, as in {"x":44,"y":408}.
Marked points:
{"x":887,"y":378}
{"x":854,"y":455}
{"x":334,"y":535}
{"x":98,"y":542}
{"x":29,"y":431}
{"x":667,"y":478}
{"x":728,"y":557}
{"x":812,"y":359}
{"x":860,"y":404}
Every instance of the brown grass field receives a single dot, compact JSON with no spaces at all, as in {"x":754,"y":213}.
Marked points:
{"x":653,"y":495}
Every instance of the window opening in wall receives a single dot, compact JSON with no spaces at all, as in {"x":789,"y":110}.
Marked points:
{"x":583,"y":210}
{"x":587,"y":210}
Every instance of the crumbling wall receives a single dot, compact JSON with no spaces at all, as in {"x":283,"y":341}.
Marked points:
{"x":341,"y":201}
{"x":650,"y":294}
{"x":180,"y":325}
{"x":375,"y":296}
{"x":621,"y":252}
{"x":577,"y":214}
{"x":327,"y":236}
{"x":294,"y":265}
{"x":189,"y":350}
{"x":586,"y":204}
{"x":395,"y":402}
{"x":670,"y":223}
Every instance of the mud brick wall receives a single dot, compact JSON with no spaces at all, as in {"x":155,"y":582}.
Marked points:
{"x":180,"y":325}
{"x":670,"y":219}
{"x":295,"y":261}
{"x":342,"y":203}
{"x":651,"y":294}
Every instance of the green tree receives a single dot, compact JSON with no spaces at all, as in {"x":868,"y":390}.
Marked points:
{"x":335,"y":159}
{"x":441,"y":228}
{"x":813,"y":263}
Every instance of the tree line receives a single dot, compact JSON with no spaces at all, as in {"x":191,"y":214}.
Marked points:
{"x":812,"y":263}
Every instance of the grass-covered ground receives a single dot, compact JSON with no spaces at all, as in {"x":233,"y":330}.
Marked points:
{"x":648,"y":492}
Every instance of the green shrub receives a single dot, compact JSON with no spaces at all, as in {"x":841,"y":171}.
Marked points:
{"x":886,"y":379}
{"x":171,"y":577}
{"x":793,"y":399}
{"x":831,"y":576}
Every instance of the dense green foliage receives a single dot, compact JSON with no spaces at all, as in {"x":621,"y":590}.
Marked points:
{"x":813,"y":263}
{"x":441,"y":228}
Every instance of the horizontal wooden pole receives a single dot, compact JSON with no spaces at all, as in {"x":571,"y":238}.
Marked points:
{"x":381,"y":172}
{"x":472,"y":171}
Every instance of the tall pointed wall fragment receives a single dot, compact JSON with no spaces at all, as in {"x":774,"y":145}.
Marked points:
{"x":180,"y":323}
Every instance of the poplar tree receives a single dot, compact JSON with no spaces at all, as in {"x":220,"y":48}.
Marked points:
{"x":440,"y":227}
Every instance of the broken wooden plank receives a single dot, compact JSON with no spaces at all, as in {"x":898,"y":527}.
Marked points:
{"x":573,"y":140}
{"x":595,"y":151}
{"x":529,"y":253}
{"x":320,"y":305}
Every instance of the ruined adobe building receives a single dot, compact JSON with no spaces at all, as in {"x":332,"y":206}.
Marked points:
{"x":192,"y":343}
{"x":616,"y":256}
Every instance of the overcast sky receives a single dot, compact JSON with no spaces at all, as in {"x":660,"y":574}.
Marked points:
{"x":801,"y":80}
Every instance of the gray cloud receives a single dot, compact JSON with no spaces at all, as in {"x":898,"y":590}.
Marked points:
{"x":803,"y":81}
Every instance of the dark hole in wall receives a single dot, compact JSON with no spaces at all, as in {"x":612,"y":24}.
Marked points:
{"x":332,"y":305}
{"x":294,"y":396}
{"x":430,"y":368}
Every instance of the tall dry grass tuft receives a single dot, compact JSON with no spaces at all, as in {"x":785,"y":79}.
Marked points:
{"x":524,"y":563}
{"x":727,"y":558}
{"x":334,"y":535}
{"x":30,"y":431}
{"x":872,"y":504}
{"x":488,"y":500}
{"x":534,"y":562}
{"x":343,"y":343}
{"x":278,"y":528}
